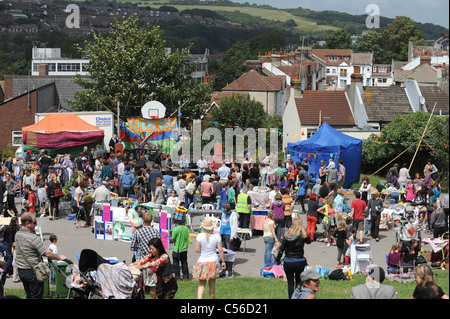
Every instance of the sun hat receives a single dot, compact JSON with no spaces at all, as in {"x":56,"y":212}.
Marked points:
{"x":310,"y":274}
{"x":313,"y":195}
{"x":208,"y":224}
{"x":374,"y":192}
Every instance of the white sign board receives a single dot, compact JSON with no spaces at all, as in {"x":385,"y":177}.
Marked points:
{"x":103,"y":120}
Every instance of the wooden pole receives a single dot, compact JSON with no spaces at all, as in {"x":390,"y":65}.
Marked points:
{"x":393,"y":159}
{"x":423,"y":134}
{"x":413,"y":129}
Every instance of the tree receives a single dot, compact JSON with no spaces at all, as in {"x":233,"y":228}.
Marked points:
{"x":232,"y":65}
{"x":239,"y":110}
{"x":131,"y":65}
{"x":371,"y":41}
{"x":404,"y":132}
{"x":397,"y":36}
{"x":340,"y":39}
{"x":243,"y":112}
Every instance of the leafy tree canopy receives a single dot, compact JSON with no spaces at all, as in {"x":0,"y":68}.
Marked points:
{"x":132,"y":65}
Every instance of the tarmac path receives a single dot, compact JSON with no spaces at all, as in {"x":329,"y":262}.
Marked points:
{"x":71,"y":241}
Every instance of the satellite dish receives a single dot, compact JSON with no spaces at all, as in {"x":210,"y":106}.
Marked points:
{"x":422,"y":100}
{"x":153,"y":109}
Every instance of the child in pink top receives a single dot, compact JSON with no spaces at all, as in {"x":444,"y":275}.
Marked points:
{"x":410,"y":191}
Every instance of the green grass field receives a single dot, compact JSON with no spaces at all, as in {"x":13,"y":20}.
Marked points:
{"x":264,"y":288}
{"x":303,"y":24}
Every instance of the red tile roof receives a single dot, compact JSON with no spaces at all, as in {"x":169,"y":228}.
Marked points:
{"x":324,"y":54}
{"x":255,"y":81}
{"x":331,"y":106}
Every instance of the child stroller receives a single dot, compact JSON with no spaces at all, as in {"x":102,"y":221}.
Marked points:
{"x":408,"y":230}
{"x":114,"y":280}
{"x":82,"y":283}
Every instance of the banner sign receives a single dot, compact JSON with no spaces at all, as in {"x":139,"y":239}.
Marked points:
{"x":152,"y":125}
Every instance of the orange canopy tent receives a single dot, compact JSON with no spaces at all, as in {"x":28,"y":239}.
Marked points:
{"x":61,"y":130}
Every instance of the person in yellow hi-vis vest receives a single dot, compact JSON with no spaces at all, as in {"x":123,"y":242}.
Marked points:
{"x":244,"y":209}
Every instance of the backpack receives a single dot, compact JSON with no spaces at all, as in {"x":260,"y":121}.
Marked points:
{"x":337,"y":274}
{"x":190,"y":188}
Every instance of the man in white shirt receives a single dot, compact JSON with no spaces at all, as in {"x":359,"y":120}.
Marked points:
{"x":201,"y":164}
{"x":223,"y":172}
{"x":121,"y":168}
{"x":29,"y":179}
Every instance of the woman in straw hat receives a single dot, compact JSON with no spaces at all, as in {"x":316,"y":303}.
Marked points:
{"x":208,"y":266}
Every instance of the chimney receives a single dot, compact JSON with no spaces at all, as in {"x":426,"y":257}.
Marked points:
{"x":254,"y":65}
{"x":43,"y":69}
{"x":296,"y":85}
{"x":425,"y":60}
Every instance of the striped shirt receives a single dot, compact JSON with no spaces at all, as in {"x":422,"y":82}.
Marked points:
{"x":30,"y":244}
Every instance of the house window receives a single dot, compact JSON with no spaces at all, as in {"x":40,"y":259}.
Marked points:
{"x":332,"y":58}
{"x":328,"y":71}
{"x":343,"y":72}
{"x":382,"y":69}
{"x":16,"y":138}
{"x":333,"y":71}
{"x":382,"y":80}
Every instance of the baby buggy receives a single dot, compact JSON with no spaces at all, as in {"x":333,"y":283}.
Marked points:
{"x":98,"y":278}
{"x":410,"y":227}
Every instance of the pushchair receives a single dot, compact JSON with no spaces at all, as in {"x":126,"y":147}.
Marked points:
{"x":408,"y":230}
{"x":83,"y":284}
{"x":113,"y":279}
{"x":97,"y":278}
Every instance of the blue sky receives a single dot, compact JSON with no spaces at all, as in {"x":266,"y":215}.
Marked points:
{"x":432,"y":11}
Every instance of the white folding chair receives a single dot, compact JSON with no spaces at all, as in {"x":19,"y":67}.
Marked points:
{"x":361,"y":257}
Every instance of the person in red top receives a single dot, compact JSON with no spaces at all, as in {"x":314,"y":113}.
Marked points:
{"x":358,"y":208}
{"x":30,"y":204}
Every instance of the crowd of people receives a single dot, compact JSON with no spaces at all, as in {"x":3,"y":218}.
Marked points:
{"x":224,"y":186}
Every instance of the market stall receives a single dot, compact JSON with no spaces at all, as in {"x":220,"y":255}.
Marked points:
{"x":329,"y":143}
{"x":61,"y":133}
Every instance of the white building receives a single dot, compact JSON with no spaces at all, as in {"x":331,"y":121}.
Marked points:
{"x":48,"y":61}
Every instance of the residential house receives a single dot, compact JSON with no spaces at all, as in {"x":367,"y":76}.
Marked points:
{"x":424,"y":73}
{"x":362,"y":63}
{"x":435,"y":95}
{"x":64,"y":88}
{"x":308,"y":109}
{"x":338,"y":66}
{"x":295,"y":64}
{"x":383,"y":104}
{"x":270,"y":91}
{"x":382,"y":75}
{"x":20,"y":111}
